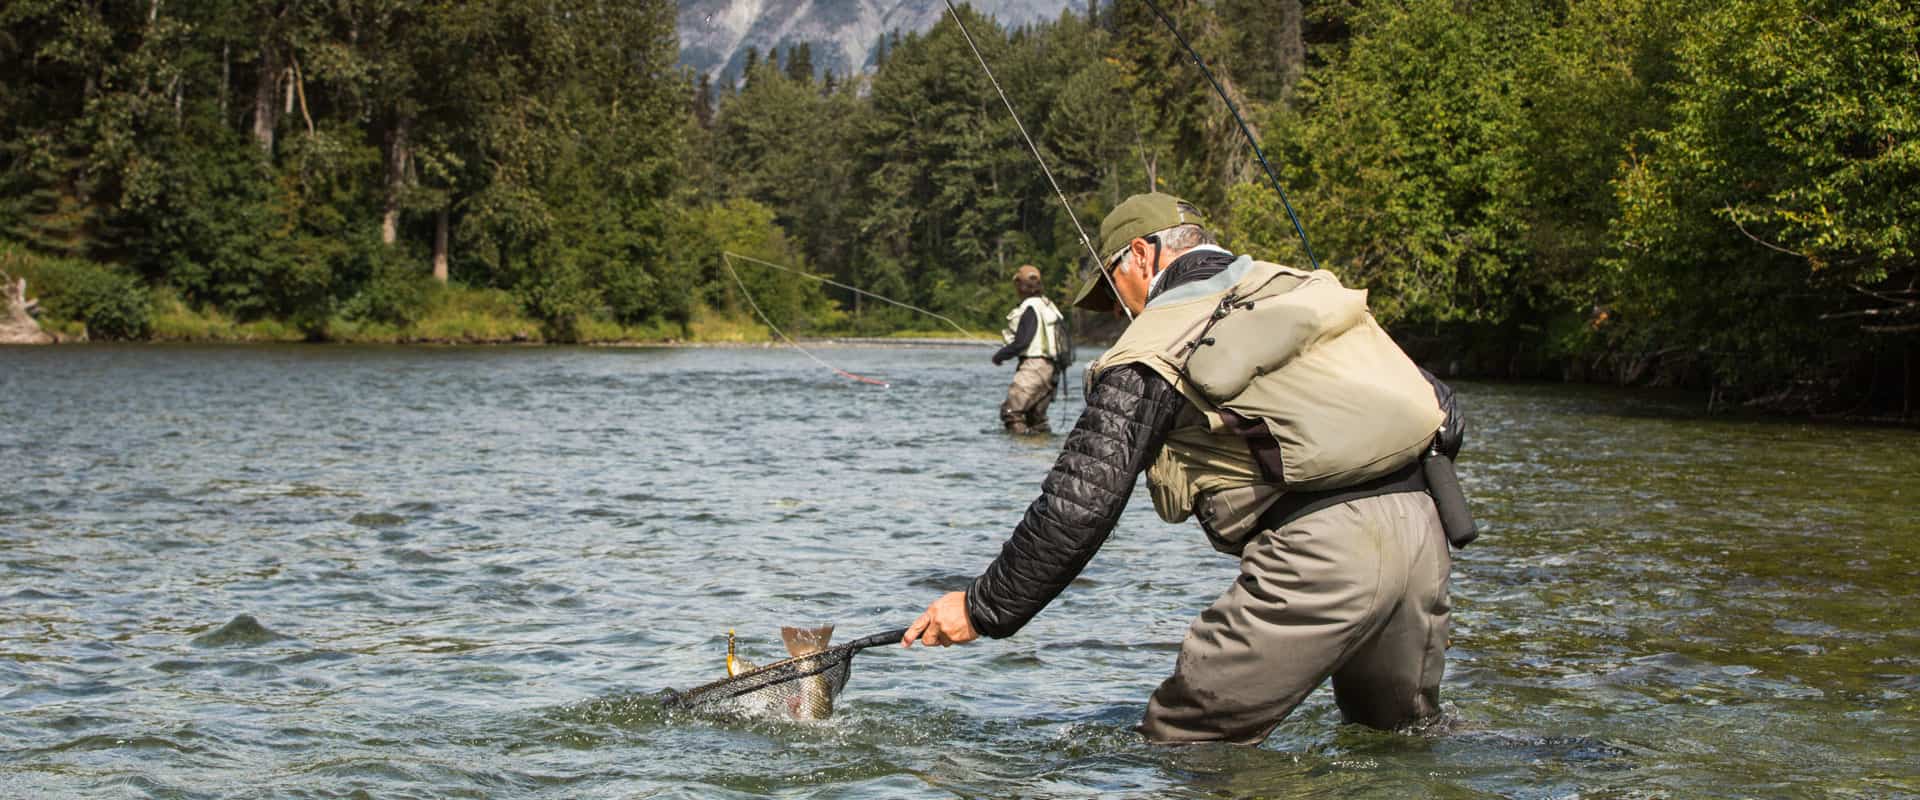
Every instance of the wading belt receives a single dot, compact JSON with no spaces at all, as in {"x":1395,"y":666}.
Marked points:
{"x":1294,"y":505}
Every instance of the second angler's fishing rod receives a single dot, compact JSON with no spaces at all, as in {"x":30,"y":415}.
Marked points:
{"x":1258,"y":154}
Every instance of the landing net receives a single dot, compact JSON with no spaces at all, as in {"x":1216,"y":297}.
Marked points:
{"x":780,"y":686}
{"x":802,"y":686}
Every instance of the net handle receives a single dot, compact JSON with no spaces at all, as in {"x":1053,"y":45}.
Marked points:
{"x":890,"y":637}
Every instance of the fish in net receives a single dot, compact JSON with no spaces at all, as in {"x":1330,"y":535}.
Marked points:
{"x":801,"y":687}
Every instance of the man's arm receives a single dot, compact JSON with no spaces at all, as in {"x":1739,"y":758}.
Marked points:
{"x":1022,"y":336}
{"x":1127,"y":418}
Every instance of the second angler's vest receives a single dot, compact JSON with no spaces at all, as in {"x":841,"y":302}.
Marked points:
{"x":1293,"y":386}
{"x":1046,"y":340}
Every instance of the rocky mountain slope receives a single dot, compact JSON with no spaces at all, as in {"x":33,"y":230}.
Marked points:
{"x":842,"y":34}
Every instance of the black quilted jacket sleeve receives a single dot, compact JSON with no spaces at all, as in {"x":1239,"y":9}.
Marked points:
{"x":1128,"y":416}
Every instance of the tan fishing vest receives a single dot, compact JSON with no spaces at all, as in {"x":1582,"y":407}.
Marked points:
{"x":1046,"y":340}
{"x":1291,"y":354}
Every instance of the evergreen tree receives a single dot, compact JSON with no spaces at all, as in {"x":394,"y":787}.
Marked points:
{"x":1639,"y":190}
{"x":800,"y":63}
{"x":703,"y":102}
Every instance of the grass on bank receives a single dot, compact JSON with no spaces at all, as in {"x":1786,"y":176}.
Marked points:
{"x":174,"y":321}
{"x":453,"y":314}
{"x":85,"y":300}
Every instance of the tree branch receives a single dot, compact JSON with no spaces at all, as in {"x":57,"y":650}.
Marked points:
{"x":300,"y":87}
{"x":1873,"y":312}
{"x":1886,"y":296}
{"x":1731,"y":217}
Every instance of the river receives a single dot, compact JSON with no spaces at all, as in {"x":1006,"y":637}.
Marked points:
{"x":473,"y":568}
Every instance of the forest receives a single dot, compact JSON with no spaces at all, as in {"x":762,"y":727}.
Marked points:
{"x":1718,"y":195}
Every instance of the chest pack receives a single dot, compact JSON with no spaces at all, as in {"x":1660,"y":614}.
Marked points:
{"x":1297,"y":388}
{"x":1051,"y":340}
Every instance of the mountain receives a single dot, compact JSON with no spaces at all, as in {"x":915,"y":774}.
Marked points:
{"x":715,"y":34}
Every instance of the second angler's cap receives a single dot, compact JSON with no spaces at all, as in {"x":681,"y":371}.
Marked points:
{"x":1135,"y":217}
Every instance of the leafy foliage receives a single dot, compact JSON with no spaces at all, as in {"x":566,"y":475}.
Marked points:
{"x":1772,"y":223}
{"x":107,"y":301}
{"x":1717,"y":194}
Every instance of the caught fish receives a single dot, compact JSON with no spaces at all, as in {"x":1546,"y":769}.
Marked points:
{"x":815,"y":697}
{"x":800,"y":686}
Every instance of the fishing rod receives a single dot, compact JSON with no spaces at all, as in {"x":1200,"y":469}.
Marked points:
{"x":1258,"y":154}
{"x":1098,"y":264}
{"x":1244,"y":131}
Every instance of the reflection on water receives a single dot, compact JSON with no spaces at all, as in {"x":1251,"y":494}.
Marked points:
{"x":311,"y":571}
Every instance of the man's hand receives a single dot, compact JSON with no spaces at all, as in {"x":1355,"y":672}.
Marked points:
{"x":944,"y":623}
{"x":999,"y":359}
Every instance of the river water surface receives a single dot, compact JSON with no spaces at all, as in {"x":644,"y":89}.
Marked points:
{"x":473,"y":568}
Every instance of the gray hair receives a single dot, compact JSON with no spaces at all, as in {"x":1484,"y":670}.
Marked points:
{"x":1174,"y":239}
{"x":1185,"y":237}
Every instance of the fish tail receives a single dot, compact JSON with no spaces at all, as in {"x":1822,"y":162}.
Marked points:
{"x":802,"y":641}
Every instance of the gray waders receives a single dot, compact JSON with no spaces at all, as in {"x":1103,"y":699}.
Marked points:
{"x":1025,"y":409}
{"x":1356,"y":592}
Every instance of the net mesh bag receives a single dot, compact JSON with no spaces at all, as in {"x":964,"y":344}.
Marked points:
{"x":796,"y":684}
{"x":802,"y":686}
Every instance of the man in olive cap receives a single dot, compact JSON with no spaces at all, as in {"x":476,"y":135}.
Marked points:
{"x":1267,"y":403}
{"x":1033,"y":336}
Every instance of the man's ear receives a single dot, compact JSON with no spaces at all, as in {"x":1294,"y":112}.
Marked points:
{"x":1141,"y":252}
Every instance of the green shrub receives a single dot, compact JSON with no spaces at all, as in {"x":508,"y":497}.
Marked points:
{"x":557,"y":292}
{"x":632,"y":295}
{"x":396,"y":291}
{"x":109,"y":302}
{"x":456,"y":313}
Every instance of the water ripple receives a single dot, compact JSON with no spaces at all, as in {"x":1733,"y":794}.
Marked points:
{"x":331,"y":571}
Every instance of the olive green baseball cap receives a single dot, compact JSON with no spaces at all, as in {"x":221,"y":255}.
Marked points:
{"x":1135,"y":217}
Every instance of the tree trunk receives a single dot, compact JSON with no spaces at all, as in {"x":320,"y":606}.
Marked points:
{"x":17,"y":325}
{"x":1292,"y":47}
{"x":397,"y":155}
{"x":226,"y":80}
{"x":440,"y":245}
{"x":1907,"y":387}
{"x":265,"y":113}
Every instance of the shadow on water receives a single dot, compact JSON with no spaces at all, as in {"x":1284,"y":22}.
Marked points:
{"x":327,"y":572}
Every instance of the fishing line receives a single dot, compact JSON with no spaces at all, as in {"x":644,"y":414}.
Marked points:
{"x":1257,"y":153}
{"x":1098,"y":263}
{"x":857,"y":290}
{"x":726,"y":258}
